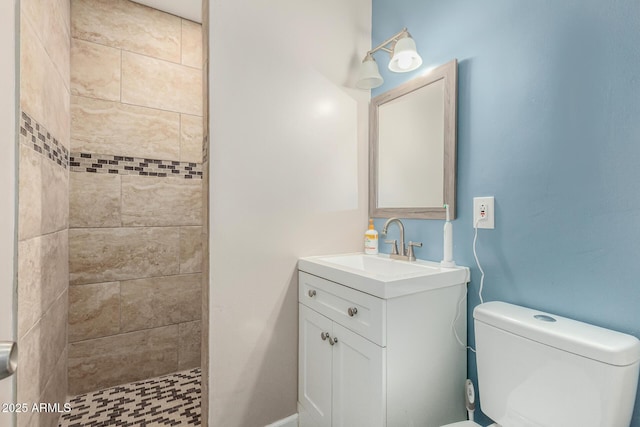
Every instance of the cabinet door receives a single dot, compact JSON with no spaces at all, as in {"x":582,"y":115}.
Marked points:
{"x":359,"y":387}
{"x":314,"y":366}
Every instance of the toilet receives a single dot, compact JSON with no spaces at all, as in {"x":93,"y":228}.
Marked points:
{"x":541,"y":370}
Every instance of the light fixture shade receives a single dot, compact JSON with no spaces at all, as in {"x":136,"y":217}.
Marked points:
{"x":369,"y":76}
{"x":405,"y":57}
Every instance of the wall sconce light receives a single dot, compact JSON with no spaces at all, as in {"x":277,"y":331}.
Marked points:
{"x":404,"y":58}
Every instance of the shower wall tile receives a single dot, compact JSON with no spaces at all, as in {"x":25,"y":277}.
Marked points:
{"x":127,"y":25}
{"x":94,"y":311}
{"x":54,"y":392}
{"x":155,"y":83}
{"x":43,"y":205}
{"x":31,"y":193}
{"x":160,"y":301}
{"x":94,"y":200}
{"x":110,"y":254}
{"x":35,"y":67}
{"x":43,"y":92}
{"x":191,"y":44}
{"x":191,"y":249}
{"x":43,"y":272}
{"x":40,"y":351}
{"x":55,"y":197}
{"x":149,"y":201}
{"x":135,"y":243}
{"x":50,"y":20}
{"x":191,"y":138}
{"x":189,"y":344}
{"x":104,"y":362}
{"x":65,"y":9}
{"x":107,"y":127}
{"x":95,"y":70}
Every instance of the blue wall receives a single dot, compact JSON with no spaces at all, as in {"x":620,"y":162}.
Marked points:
{"x":549,"y":124}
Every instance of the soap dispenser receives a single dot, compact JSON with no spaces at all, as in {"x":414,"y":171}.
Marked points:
{"x":371,"y":240}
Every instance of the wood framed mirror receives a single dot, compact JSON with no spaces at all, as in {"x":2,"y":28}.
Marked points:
{"x":412,"y":147}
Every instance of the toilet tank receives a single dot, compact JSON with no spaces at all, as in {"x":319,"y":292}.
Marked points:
{"x":537,"y":369}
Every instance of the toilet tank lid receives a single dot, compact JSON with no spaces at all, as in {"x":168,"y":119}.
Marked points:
{"x":594,"y":342}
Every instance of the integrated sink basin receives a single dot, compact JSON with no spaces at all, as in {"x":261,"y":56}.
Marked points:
{"x":381,"y":276}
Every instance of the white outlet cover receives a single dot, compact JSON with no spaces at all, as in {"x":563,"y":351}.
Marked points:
{"x":490,"y":220}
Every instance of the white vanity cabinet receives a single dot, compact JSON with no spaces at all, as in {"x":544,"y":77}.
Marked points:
{"x":374,"y":362}
{"x":340,"y":383}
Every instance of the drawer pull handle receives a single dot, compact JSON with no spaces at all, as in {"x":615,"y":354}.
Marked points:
{"x":333,"y":341}
{"x":312,"y":293}
{"x":352,"y":311}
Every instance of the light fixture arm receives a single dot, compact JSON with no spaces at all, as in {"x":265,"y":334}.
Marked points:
{"x":383,"y":46}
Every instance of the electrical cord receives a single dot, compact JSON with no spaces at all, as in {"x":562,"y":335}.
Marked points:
{"x":475,"y":255}
{"x":464,"y":295}
{"x":453,"y":324}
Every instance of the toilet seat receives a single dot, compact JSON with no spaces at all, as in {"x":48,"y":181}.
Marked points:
{"x":463,"y":424}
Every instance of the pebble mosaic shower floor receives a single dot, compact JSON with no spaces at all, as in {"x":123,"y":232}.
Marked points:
{"x":170,"y":400}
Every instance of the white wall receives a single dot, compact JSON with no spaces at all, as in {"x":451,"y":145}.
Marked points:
{"x":288,"y":179}
{"x":7,"y":184}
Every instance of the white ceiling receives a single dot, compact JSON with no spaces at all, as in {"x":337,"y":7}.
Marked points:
{"x":188,"y":9}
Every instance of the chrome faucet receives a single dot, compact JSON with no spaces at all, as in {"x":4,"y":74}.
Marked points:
{"x":402,"y":253}
{"x":394,"y":249}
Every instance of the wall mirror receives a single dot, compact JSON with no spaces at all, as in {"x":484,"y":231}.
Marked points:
{"x":412,"y":147}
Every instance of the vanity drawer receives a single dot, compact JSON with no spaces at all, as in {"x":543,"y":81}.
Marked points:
{"x":368,"y":313}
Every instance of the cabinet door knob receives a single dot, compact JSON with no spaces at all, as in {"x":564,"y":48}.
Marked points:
{"x":352,"y":311}
{"x":333,"y":341}
{"x":312,"y":293}
{"x":324,"y":336}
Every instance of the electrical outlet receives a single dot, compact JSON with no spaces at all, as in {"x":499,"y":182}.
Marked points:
{"x":483,"y":212}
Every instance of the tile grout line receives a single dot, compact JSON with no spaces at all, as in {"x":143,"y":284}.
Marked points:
{"x":122,"y":49}
{"x":164,"y":110}
{"x":133,"y":331}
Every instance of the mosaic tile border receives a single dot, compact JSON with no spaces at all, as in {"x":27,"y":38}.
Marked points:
{"x":36,"y":136}
{"x":170,"y":400}
{"x":125,"y":165}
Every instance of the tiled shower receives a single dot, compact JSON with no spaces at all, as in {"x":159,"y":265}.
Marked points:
{"x":110,"y":197}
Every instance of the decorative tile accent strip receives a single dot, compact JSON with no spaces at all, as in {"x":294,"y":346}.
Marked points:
{"x":36,"y":136}
{"x":123,"y":165}
{"x":169,"y":400}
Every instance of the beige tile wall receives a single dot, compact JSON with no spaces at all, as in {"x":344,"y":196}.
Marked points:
{"x":127,"y":357}
{"x":127,"y":26}
{"x":111,"y":127}
{"x":182,"y":95}
{"x":135,"y":242}
{"x":43,"y":209}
